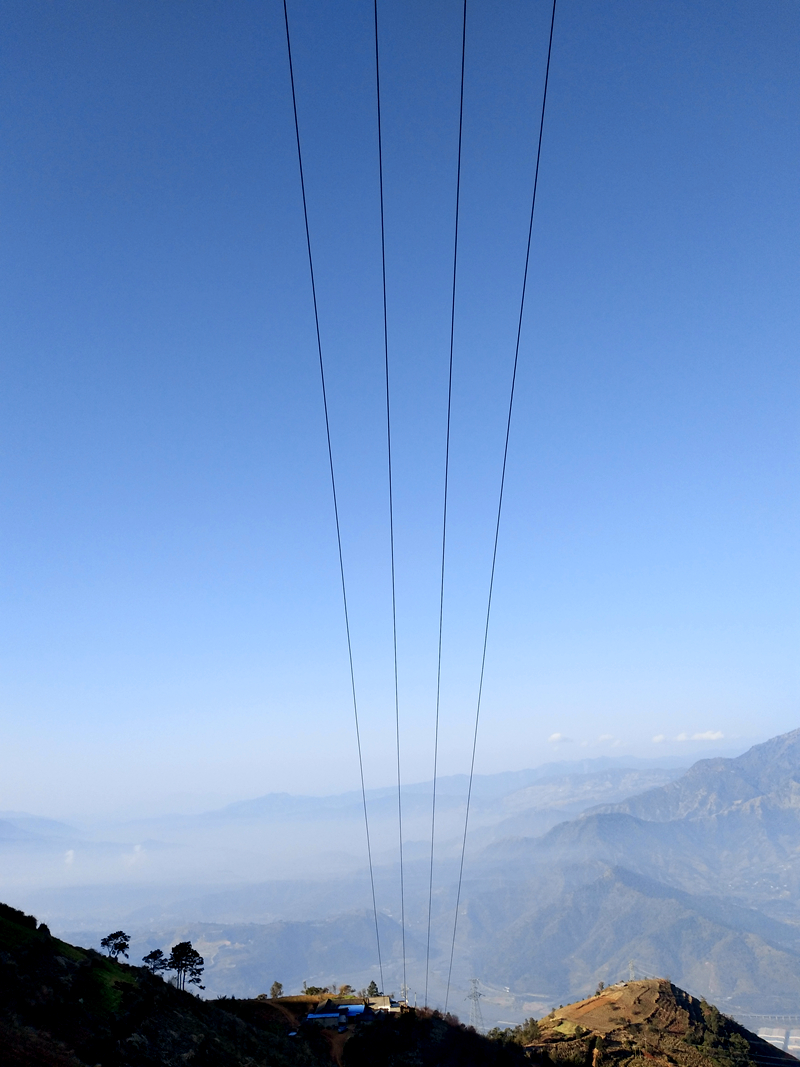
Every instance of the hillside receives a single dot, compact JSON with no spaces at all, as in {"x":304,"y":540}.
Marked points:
{"x":649,"y":1021}
{"x":572,"y":940}
{"x":62,"y":1006}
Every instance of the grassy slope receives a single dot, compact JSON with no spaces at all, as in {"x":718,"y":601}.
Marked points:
{"x":65,"y":1006}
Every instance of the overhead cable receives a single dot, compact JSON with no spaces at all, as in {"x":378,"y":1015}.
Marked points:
{"x":444,"y":508}
{"x":333,"y":486}
{"x":391,"y":497}
{"x":500,"y":499}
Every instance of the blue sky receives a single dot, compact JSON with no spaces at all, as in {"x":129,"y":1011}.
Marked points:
{"x":171,"y":623}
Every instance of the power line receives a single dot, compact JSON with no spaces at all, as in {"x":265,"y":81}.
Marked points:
{"x":391,"y":498}
{"x":333,"y":484}
{"x":446,"y":480}
{"x":500,"y":499}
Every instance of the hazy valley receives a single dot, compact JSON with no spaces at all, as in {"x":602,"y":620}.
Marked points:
{"x":574,"y":871}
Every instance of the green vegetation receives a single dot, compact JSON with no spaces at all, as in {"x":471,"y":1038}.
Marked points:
{"x":184,"y":960}
{"x":116,"y":944}
{"x":427,"y":1039}
{"x":155,"y":961}
{"x":19,"y":918}
{"x":316,"y":990}
{"x":716,"y":1037}
{"x":187,"y":963}
{"x":524,"y":1034}
{"x":62,"y":1006}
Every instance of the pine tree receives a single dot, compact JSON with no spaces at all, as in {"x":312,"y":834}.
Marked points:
{"x":155,"y":961}
{"x":187,"y":964}
{"x":116,"y":944}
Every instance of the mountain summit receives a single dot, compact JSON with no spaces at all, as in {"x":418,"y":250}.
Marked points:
{"x":652,"y":1020}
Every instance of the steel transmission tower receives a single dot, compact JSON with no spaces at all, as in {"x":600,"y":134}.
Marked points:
{"x":475,"y":1013}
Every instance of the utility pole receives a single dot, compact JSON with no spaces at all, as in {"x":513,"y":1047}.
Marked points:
{"x":475,"y":1013}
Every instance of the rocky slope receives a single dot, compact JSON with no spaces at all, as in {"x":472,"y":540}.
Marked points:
{"x":767,"y":773}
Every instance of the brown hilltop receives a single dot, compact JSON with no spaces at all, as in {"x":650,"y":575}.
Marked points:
{"x":628,"y":1004}
{"x":650,"y":1021}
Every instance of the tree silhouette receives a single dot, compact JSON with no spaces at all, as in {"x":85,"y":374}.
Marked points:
{"x":276,"y":990}
{"x":187,"y":964}
{"x":155,"y":961}
{"x":116,"y":944}
{"x":372,"y":989}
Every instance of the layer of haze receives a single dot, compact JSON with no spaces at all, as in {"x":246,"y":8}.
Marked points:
{"x":172,"y":631}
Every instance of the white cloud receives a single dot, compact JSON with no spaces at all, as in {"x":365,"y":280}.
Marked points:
{"x":559,"y":739}
{"x":706,"y":735}
{"x":605,"y":737}
{"x":659,"y":738}
{"x":69,"y":857}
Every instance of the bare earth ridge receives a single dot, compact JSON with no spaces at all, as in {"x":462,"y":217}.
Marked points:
{"x":650,"y":1020}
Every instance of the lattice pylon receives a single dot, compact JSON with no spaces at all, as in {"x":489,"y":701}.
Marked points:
{"x":475,"y":1013}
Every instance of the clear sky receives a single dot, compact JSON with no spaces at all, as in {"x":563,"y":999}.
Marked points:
{"x":171,"y":616}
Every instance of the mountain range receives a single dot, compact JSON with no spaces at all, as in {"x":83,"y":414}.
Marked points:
{"x":575,"y":874}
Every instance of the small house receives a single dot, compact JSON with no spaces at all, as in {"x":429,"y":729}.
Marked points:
{"x":336,"y":1015}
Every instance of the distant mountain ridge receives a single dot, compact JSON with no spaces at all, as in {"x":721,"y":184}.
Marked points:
{"x":716,"y":786}
{"x":698,"y":878}
{"x":486,"y":787}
